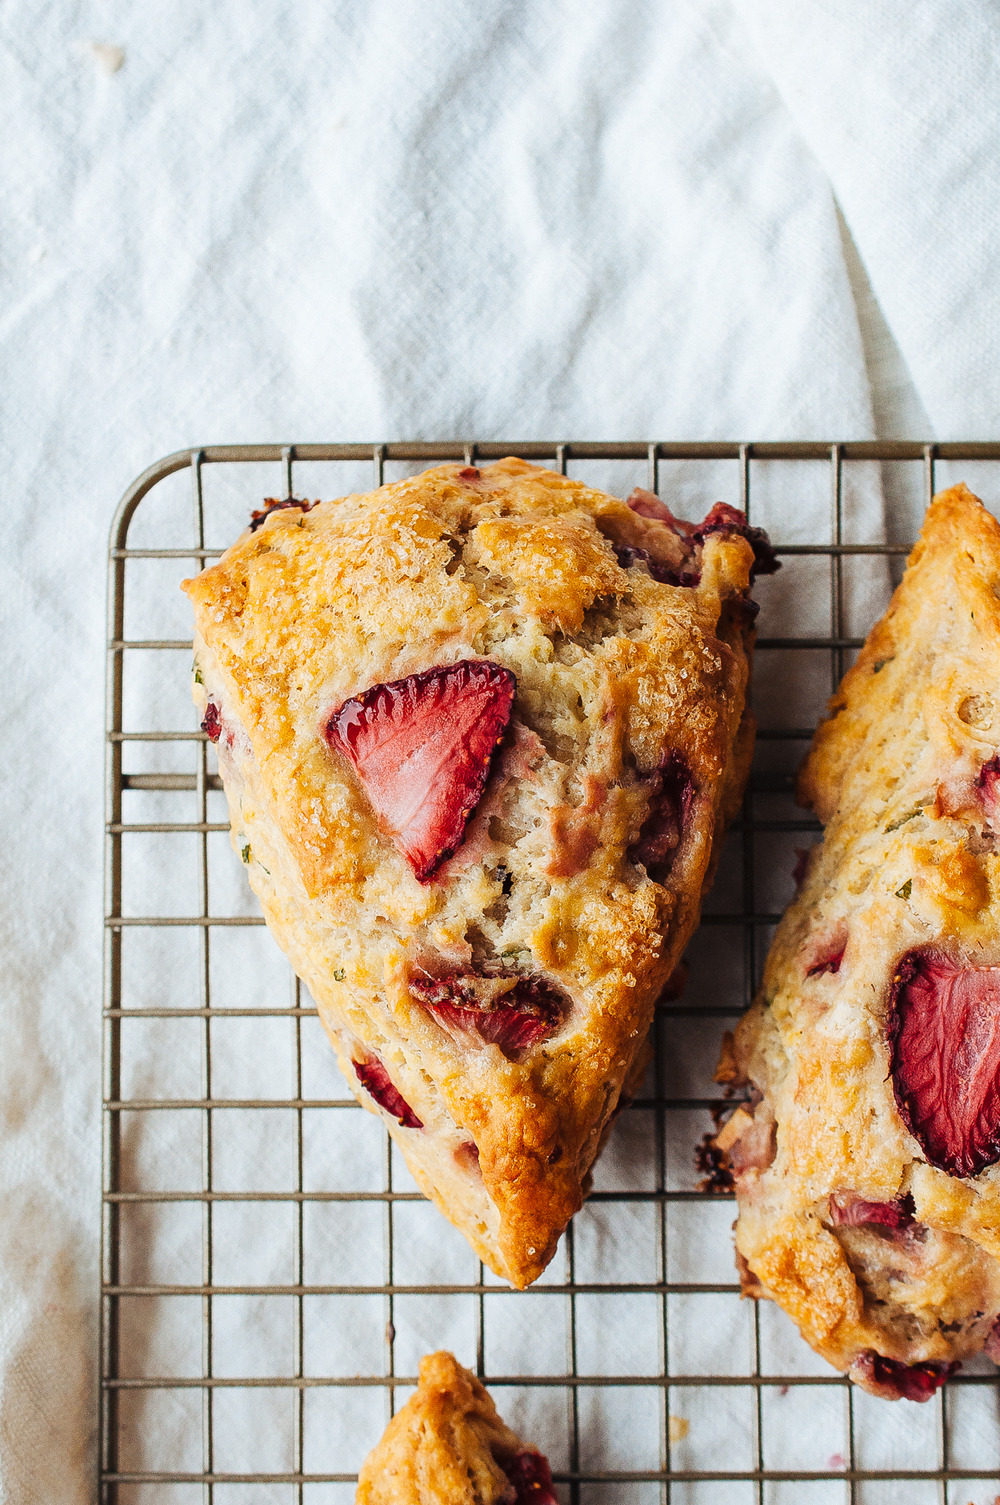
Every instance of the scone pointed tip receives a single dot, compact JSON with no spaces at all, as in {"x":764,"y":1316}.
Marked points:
{"x":448,"y":1443}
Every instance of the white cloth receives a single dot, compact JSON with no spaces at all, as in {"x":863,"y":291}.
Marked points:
{"x":412,"y":218}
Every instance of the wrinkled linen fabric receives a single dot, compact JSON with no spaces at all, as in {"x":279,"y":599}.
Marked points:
{"x":411,"y":218}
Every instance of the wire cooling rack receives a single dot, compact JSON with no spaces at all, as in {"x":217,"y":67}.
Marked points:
{"x":270,"y":1275}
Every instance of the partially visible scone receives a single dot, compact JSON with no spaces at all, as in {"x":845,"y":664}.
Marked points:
{"x":480,"y":732}
{"x":866,"y":1160}
{"x":448,"y":1446}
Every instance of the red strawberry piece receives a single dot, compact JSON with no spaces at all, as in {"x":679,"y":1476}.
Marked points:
{"x":721,"y":519}
{"x":648,"y":504}
{"x":944,"y":1039}
{"x":422,"y":748}
{"x":671,"y":794}
{"x":467,"y":1155}
{"x":276,"y":504}
{"x":502,"y":1008}
{"x":674,"y":577}
{"x":988,"y":781}
{"x":628,"y":556}
{"x":212,"y":724}
{"x":376,"y":1081}
{"x":897,"y":1381}
{"x":531,"y":1477}
{"x":848,"y":1210}
{"x":725,"y":519}
{"x":829,"y":962}
{"x":470,"y":473}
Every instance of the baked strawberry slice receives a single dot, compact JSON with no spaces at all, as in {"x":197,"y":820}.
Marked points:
{"x":503,"y":1008}
{"x":894,"y":1380}
{"x":725,"y":519}
{"x":422,"y":748}
{"x":828,"y":961}
{"x":671,"y":794}
{"x":628,"y":556}
{"x":721,"y":519}
{"x":944,"y":1038}
{"x":277,"y":504}
{"x":848,"y":1210}
{"x":648,"y":504}
{"x":378,"y":1084}
{"x":988,"y":783}
{"x":531,"y":1477}
{"x":212,"y":723}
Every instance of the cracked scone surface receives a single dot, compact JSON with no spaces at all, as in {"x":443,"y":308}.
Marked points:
{"x":617,"y":673}
{"x":448,"y":1446}
{"x":869,"y":1196}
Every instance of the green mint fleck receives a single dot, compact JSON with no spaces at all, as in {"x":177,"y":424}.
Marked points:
{"x":197,"y":673}
{"x":245,"y":853}
{"x":338,"y":974}
{"x":903,"y":819}
{"x":906,"y":890}
{"x":880,"y":664}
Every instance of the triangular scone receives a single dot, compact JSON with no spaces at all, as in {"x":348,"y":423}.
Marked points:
{"x":866,"y":1160}
{"x":491,"y":1004}
{"x":448,"y":1446}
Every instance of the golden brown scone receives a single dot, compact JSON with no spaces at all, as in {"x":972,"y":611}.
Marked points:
{"x":866,"y":1160}
{"x":491,"y":663}
{"x":448,"y":1446}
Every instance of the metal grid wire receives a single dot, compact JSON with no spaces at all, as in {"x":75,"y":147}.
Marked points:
{"x":167,"y":1409}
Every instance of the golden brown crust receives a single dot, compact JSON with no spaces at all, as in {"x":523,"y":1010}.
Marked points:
{"x":908,"y":860}
{"x":613,"y":668}
{"x":446,"y":1446}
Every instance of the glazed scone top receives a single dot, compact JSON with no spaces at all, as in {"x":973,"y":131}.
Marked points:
{"x":441,"y":569}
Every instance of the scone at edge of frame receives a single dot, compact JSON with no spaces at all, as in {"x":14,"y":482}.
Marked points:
{"x":866,"y":1157}
{"x":479,"y":732}
{"x":449,"y":1446}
